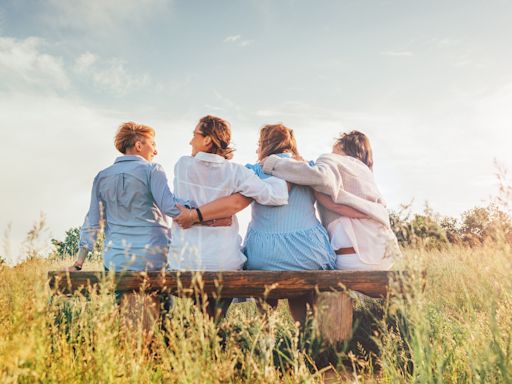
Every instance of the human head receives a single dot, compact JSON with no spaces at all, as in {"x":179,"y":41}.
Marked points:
{"x":212,"y":135}
{"x":136,"y":139}
{"x":355,"y":144}
{"x":277,"y":138}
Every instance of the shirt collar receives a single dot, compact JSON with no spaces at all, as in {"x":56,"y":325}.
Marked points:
{"x":210,"y":157}
{"x":129,"y":158}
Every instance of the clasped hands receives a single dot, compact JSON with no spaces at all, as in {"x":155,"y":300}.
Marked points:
{"x":188,"y":217}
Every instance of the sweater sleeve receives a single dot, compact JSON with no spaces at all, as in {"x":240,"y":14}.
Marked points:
{"x":321,"y":176}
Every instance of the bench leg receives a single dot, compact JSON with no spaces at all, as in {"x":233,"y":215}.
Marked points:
{"x":333,"y":311}
{"x":140,"y":313}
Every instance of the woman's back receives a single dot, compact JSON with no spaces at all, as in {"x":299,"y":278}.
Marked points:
{"x":203,"y":178}
{"x":298,"y":215}
{"x":136,"y":231}
{"x":288,"y":237}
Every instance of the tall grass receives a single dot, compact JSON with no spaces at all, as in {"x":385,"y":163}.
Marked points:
{"x":452,"y":324}
{"x":457,"y":325}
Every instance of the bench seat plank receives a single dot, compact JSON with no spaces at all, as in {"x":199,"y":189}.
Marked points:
{"x":232,"y":283}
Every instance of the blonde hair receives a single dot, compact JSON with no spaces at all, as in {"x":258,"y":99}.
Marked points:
{"x":219,"y":131}
{"x":277,"y":138}
{"x":129,"y":133}
{"x":356,"y":144}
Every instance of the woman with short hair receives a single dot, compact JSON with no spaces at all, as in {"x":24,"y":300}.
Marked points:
{"x":132,"y":198}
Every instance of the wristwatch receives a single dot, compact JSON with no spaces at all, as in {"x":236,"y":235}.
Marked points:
{"x":77,"y":267}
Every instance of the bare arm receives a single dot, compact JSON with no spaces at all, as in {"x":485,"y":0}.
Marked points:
{"x":81,"y":256}
{"x":218,"y":209}
{"x":340,"y":209}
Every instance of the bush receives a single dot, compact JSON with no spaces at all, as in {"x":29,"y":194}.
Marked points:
{"x":481,"y":225}
{"x":68,"y":247}
{"x":476,"y":227}
{"x":418,"y":229}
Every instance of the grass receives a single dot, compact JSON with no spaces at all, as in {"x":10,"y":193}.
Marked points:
{"x":453,"y":325}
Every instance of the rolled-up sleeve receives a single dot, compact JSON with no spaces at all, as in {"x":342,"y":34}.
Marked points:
{"x":271,"y":191}
{"x":162,"y":194}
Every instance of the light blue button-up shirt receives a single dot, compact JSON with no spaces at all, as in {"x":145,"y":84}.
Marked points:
{"x":132,"y":197}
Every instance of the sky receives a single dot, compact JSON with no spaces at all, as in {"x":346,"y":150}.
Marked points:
{"x":430,"y":83}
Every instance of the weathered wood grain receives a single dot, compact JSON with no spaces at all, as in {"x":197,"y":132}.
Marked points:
{"x":271,"y":284}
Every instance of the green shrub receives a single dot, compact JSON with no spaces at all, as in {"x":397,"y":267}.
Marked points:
{"x":68,"y":247}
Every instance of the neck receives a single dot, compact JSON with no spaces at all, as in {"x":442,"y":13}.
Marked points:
{"x":131,"y":152}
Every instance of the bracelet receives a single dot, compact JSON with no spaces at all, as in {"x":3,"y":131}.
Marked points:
{"x":77,"y":267}
{"x":199,"y":215}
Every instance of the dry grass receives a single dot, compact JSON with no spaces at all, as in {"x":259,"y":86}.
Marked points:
{"x":453,"y":327}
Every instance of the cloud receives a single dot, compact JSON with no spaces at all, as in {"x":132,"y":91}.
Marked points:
{"x":237,"y":39}
{"x":99,"y":16}
{"x":24,"y":65}
{"x":397,"y":53}
{"x":84,"y":62}
{"x":232,"y":39}
{"x":109,"y":75}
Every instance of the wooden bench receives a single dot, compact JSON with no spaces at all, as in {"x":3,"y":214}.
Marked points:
{"x":333,"y":305}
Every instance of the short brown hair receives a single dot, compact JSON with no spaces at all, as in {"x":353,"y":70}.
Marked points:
{"x":277,"y":138}
{"x":219,"y":131}
{"x":129,"y":133}
{"x":356,"y":144}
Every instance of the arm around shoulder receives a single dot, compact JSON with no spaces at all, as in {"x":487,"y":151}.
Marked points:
{"x":320,"y":176}
{"x":270,"y":191}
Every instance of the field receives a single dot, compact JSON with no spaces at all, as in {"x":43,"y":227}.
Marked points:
{"x":453,"y":325}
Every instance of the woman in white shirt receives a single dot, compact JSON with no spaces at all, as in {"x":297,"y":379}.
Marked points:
{"x":208,"y":175}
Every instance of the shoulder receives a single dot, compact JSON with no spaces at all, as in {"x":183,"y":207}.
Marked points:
{"x":105,"y":172}
{"x":257,"y":169}
{"x":240,"y":171}
{"x":329,"y":157}
{"x":156,"y":167}
{"x":183,"y":161}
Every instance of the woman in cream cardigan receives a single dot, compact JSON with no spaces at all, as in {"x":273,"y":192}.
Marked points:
{"x":345,"y":177}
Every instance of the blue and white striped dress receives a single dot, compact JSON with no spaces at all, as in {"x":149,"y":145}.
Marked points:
{"x":289,"y":237}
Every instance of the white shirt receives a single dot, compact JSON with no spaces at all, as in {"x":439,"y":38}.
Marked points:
{"x":204,"y":178}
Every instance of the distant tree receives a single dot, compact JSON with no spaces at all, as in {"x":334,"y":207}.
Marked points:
{"x":451,"y":227}
{"x":418,"y":229}
{"x":68,"y":247}
{"x":485,"y":224}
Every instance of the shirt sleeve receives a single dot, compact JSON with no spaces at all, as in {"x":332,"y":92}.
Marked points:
{"x":270,"y":191}
{"x":320,"y":175}
{"x":91,"y":226}
{"x":162,"y":194}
